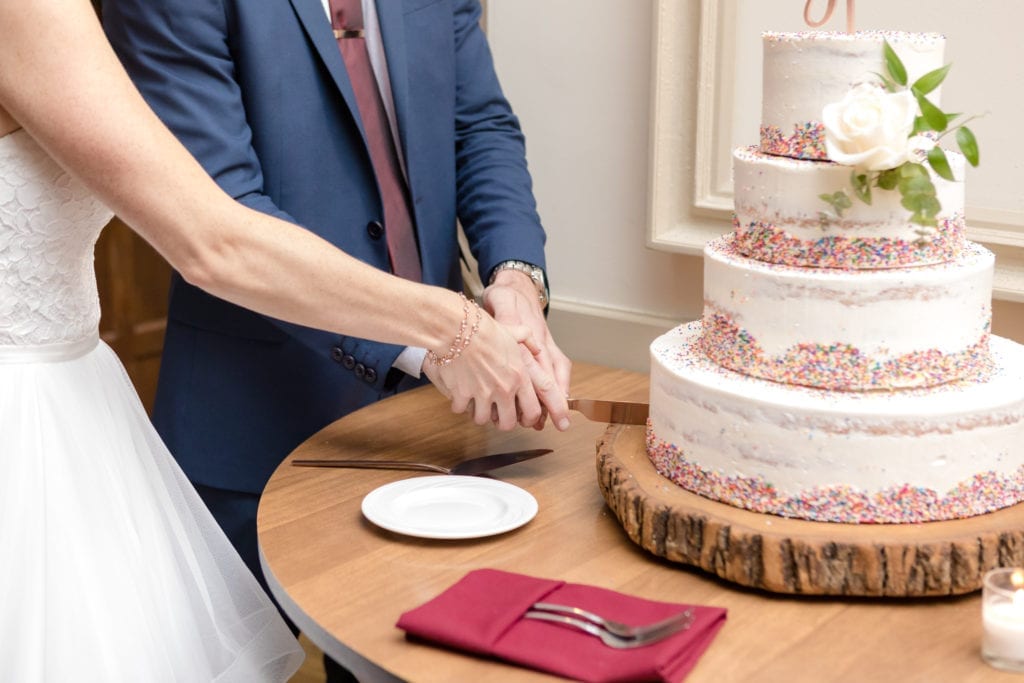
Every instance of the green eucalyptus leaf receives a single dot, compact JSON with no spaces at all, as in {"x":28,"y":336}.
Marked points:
{"x":939,"y":163}
{"x":865,"y":195}
{"x":924,"y":219}
{"x":894,"y":64}
{"x":968,"y":145}
{"x":889,"y":179}
{"x":913,"y":201}
{"x":918,"y":196}
{"x":930,"y":206}
{"x":931,"y":80}
{"x":932,"y":114}
{"x":922,"y":212}
{"x":916,"y":188}
{"x":838,"y":200}
{"x":920,"y":200}
{"x":861,"y":186}
{"x":911,"y":170}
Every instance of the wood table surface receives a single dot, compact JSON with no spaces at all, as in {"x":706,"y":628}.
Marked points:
{"x":345,"y":581}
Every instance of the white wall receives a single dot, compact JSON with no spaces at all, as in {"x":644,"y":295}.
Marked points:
{"x":578,"y":73}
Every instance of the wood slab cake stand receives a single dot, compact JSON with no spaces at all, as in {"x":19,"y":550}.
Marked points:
{"x":796,"y":556}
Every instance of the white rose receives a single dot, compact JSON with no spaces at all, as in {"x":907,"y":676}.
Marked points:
{"x":870,"y":128}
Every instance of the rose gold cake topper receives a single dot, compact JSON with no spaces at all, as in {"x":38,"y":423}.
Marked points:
{"x":828,"y":14}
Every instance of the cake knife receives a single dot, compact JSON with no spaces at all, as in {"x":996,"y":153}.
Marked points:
{"x":623,"y":412}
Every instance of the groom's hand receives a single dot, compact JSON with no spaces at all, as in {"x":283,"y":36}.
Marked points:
{"x":512,"y":300}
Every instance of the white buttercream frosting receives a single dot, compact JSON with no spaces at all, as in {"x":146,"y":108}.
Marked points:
{"x":799,"y":442}
{"x":930,"y":312}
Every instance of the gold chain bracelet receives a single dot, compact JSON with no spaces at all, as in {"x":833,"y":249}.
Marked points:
{"x":462,"y":339}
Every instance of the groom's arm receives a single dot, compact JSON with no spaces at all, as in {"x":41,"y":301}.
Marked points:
{"x":496,"y":205}
{"x":177,"y":53}
{"x":495,"y":196}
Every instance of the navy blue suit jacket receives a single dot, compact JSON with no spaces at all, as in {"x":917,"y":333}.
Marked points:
{"x":257,"y":91}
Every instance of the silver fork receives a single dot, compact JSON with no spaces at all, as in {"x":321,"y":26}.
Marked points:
{"x":643,"y":635}
{"x":608,"y":638}
{"x":676,"y":622}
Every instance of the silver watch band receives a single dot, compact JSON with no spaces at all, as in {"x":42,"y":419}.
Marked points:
{"x":536,"y":274}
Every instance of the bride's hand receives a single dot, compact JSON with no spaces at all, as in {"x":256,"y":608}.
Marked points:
{"x":494,"y":379}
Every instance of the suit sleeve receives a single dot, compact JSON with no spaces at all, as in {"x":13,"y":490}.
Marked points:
{"x":178,"y":54}
{"x":495,"y":198}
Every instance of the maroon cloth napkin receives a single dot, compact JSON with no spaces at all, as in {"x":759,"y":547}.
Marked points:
{"x":482,"y":613}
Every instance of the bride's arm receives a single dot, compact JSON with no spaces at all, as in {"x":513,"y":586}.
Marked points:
{"x":60,"y":79}
{"x":62,"y":82}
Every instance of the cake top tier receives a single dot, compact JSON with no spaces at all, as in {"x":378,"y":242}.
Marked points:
{"x":805,"y":71}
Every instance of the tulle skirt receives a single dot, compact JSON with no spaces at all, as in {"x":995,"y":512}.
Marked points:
{"x":111,"y":568}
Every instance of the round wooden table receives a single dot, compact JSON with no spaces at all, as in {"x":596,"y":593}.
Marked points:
{"x":345,"y":581}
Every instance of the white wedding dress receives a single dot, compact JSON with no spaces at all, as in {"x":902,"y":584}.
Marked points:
{"x":111,"y":568}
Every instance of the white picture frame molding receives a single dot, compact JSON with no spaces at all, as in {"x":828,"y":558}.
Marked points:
{"x":682,"y":221}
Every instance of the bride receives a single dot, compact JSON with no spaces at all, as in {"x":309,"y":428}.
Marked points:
{"x":112,"y":568}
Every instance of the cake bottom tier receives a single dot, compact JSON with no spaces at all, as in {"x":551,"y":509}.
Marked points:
{"x":916,"y":455}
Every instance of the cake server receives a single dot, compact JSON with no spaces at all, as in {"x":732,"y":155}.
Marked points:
{"x":484,"y":463}
{"x":624,"y":412}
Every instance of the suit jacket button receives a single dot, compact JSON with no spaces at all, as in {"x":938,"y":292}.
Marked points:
{"x":371,"y":376}
{"x":375,"y":229}
{"x":337,"y":354}
{"x":360,"y":370}
{"x":348,"y":361}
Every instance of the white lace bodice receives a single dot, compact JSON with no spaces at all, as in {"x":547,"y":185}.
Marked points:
{"x":49,"y":223}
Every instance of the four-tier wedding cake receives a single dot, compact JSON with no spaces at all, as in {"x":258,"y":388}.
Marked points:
{"x":844,"y":369}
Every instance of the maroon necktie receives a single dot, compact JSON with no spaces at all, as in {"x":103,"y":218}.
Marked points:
{"x":347,"y":20}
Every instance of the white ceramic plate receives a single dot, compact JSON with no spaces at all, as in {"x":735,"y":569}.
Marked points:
{"x":449,"y":506}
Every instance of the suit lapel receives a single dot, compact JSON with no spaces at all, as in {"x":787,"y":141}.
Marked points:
{"x":318,"y":28}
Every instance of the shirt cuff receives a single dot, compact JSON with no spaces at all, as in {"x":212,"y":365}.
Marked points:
{"x":410,"y":360}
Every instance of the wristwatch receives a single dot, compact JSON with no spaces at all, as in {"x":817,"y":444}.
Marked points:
{"x":536,"y":274}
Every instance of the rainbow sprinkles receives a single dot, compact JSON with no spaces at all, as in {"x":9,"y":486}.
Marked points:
{"x":902,"y":504}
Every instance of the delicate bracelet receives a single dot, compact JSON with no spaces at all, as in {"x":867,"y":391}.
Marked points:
{"x":462,"y":339}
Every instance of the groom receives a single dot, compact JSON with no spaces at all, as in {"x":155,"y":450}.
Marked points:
{"x":276,"y":100}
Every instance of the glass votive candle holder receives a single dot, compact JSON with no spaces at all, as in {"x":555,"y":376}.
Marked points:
{"x":1002,"y":618}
